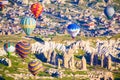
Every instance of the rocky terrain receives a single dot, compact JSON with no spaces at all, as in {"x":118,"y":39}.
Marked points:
{"x":89,"y":46}
{"x":93,"y":55}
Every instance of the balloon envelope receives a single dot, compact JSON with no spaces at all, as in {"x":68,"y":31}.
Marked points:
{"x":9,"y":48}
{"x":35,"y":66}
{"x":23,"y":48}
{"x":106,"y":1}
{"x":73,"y":30}
{"x":28,"y":24}
{"x":109,"y":12}
{"x":2,"y":4}
{"x":36,"y":9}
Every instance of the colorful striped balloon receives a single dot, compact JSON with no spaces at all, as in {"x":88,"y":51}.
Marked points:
{"x":36,"y":9}
{"x":35,"y":66}
{"x":9,"y":48}
{"x":28,"y":24}
{"x":23,"y":48}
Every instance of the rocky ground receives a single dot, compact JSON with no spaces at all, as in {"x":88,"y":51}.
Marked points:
{"x":19,"y":68}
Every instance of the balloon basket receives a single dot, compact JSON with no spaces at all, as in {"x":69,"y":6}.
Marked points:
{"x":34,"y":77}
{"x":8,"y":56}
{"x":23,"y":60}
{"x":73,"y":38}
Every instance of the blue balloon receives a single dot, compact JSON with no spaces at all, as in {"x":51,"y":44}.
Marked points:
{"x":109,"y":12}
{"x":106,"y":1}
{"x":73,"y":30}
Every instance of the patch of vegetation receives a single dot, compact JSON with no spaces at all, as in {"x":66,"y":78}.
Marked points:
{"x":115,"y":36}
{"x":91,"y":67}
{"x":68,"y":71}
{"x":79,"y":54}
{"x":43,"y":74}
{"x":47,"y":66}
{"x":67,"y":78}
{"x":59,"y":53}
{"x":93,"y":44}
{"x":18,"y":66}
{"x":116,"y":75}
{"x":80,"y":72}
{"x":14,"y":39}
{"x":72,"y":78}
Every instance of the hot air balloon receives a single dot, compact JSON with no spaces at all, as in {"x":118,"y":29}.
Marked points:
{"x":9,"y":48}
{"x":35,"y":66}
{"x":73,"y":30}
{"x":1,"y":7}
{"x":28,"y":24}
{"x":106,"y":1}
{"x":109,"y":12}
{"x":36,"y":9}
{"x":23,"y":48}
{"x":2,"y":4}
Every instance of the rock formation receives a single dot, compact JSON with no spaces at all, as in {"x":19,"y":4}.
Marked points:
{"x":49,"y":55}
{"x":59,"y":63}
{"x":102,"y":60}
{"x":95,"y":59}
{"x":92,"y":59}
{"x":65,"y":60}
{"x":108,"y":76}
{"x":106,"y":62}
{"x":68,"y":59}
{"x":109,"y":63}
{"x":25,"y":2}
{"x":83,"y":63}
{"x":53,"y":58}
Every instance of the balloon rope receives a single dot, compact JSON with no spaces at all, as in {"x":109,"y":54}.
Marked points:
{"x":8,"y":54}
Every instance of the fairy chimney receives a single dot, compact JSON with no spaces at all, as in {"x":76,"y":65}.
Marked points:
{"x":65,"y":60}
{"x":95,"y":59}
{"x":109,"y":62}
{"x":92,"y":59}
{"x":102,"y":60}
{"x":59,"y":61}
{"x":83,"y":63}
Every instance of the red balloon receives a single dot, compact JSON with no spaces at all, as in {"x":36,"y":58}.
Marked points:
{"x":36,"y":9}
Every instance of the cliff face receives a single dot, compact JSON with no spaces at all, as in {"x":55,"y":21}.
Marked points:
{"x":99,"y":46}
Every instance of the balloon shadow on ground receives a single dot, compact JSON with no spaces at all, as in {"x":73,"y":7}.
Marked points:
{"x":1,"y":78}
{"x":4,"y":62}
{"x":41,"y":57}
{"x":87,"y":57}
{"x":114,"y":59}
{"x":118,"y":55}
{"x":4,"y":47}
{"x":38,"y":39}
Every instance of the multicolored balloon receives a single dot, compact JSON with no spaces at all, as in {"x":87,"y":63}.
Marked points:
{"x":2,"y":4}
{"x":109,"y":12}
{"x":35,"y":66}
{"x":9,"y":48}
{"x":73,"y":30}
{"x":28,"y":24}
{"x":1,"y":7}
{"x":23,"y":48}
{"x":36,"y":9}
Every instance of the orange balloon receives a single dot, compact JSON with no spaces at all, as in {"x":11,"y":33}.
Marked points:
{"x":36,"y":9}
